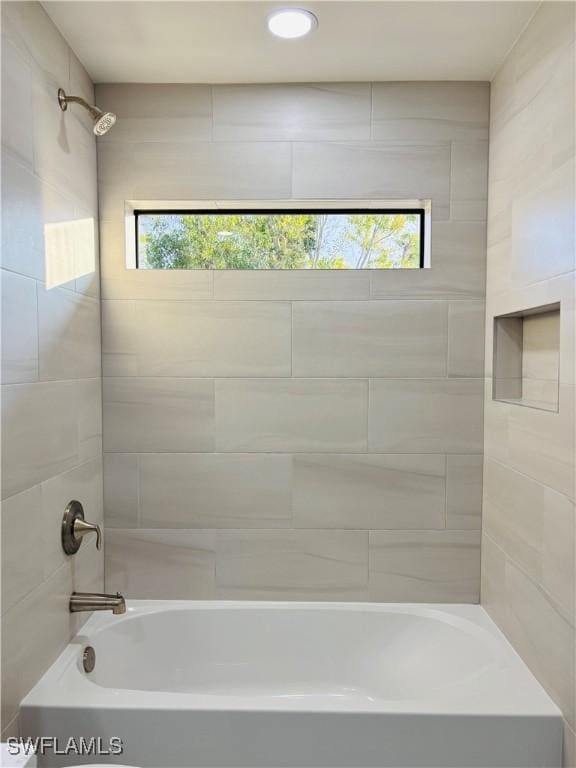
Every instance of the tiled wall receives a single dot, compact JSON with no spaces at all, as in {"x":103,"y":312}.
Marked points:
{"x":296,"y":435}
{"x":51,"y":401}
{"x":529,"y":532}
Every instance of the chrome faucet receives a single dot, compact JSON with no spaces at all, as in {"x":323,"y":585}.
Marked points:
{"x":96,"y":601}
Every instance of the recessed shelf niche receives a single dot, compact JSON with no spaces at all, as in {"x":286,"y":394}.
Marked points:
{"x":527,"y":357}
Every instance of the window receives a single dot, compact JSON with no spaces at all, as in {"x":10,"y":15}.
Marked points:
{"x":280,"y":239}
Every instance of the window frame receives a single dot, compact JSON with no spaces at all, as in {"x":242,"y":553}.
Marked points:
{"x":420,"y":211}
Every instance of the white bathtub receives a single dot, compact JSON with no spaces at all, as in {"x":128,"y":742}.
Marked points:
{"x":298,"y":684}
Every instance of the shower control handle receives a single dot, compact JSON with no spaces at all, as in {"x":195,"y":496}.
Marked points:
{"x":75,"y":527}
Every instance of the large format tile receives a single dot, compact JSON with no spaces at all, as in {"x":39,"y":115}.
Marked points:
{"x":121,"y":490}
{"x":373,"y":170}
{"x":291,"y":415}
{"x":292,"y":112}
{"x":534,"y":525}
{"x":16,"y":103}
{"x":30,"y":29}
{"x":543,"y":222}
{"x":119,"y":338}
{"x":194,"y":171}
{"x":157,"y":112}
{"x":148,"y":415}
{"x":378,"y":338}
{"x":370,"y":492}
{"x":464,"y":491}
{"x":457,"y":269}
{"x":19,"y":329}
{"x":292,"y":284}
{"x":430,"y":111}
{"x":426,"y":415}
{"x":22,"y":211}
{"x":22,"y":566}
{"x":539,"y":632}
{"x":34,"y":632}
{"x":160,"y":565}
{"x":469,"y":181}
{"x":215,"y":491}
{"x":244,"y":338}
{"x":425,"y":566}
{"x":292,"y":565}
{"x":69,"y":334}
{"x":536,"y":442}
{"x":39,"y":432}
{"x":466,"y":338}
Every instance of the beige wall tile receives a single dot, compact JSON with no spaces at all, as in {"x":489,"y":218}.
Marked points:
{"x":159,"y":565}
{"x":534,"y":525}
{"x":69,"y":334}
{"x":142,"y":415}
{"x":22,"y":567}
{"x":287,"y":284}
{"x":469,"y":180}
{"x":215,"y":491}
{"x":528,"y":546}
{"x":293,"y":112}
{"x":22,"y":230}
{"x":425,"y":566}
{"x":34,"y":632}
{"x":542,"y":222}
{"x":376,"y":170}
{"x":29,"y":28}
{"x":540,"y":633}
{"x":89,"y":393}
{"x":457,"y":271}
{"x":292,"y":565}
{"x":380,"y":338}
{"x":149,"y":112}
{"x":430,"y":111}
{"x":463,"y":491}
{"x":121,"y":492}
{"x":16,"y":103}
{"x":291,"y":415}
{"x":119,"y":338}
{"x":19,"y":329}
{"x":425,"y":415}
{"x":368,"y":492}
{"x":196,"y":171}
{"x":466,"y":338}
{"x":156,"y":284}
{"x":244,"y":338}
{"x":40,"y":433}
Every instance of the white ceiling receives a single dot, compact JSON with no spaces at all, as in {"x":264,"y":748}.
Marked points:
{"x":227,"y":42}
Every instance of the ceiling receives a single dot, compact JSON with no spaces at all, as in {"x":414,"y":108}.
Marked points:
{"x":227,"y":42}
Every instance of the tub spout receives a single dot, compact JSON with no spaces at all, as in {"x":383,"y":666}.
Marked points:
{"x":95,"y":601}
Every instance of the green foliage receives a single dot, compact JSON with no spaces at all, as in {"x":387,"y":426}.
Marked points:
{"x":279,"y":241}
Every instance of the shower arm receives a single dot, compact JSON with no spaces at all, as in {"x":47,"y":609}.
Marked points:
{"x":64,"y":100}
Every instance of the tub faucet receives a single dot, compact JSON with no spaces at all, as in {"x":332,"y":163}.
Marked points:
{"x":96,"y":601}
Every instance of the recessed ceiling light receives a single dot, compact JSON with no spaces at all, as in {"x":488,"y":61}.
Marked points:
{"x":291,"y":22}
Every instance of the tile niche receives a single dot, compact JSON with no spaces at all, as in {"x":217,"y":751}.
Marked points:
{"x":527,"y":357}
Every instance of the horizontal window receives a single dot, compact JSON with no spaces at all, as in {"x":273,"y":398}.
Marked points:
{"x":280,"y":239}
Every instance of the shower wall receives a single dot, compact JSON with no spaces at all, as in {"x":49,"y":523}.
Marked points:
{"x":296,"y":435}
{"x":528,"y":568}
{"x":51,"y":386}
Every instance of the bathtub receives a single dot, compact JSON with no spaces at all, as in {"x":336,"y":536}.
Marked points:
{"x":297,"y":684}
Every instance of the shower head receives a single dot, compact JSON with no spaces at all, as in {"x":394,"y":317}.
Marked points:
{"x":103,"y":121}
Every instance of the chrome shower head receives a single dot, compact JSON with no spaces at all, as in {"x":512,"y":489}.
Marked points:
{"x":103,"y":121}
